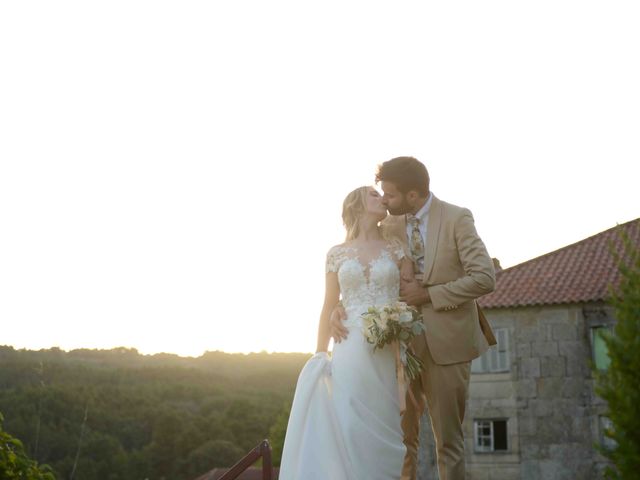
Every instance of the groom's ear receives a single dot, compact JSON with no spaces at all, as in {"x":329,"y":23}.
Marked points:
{"x":412,"y":197}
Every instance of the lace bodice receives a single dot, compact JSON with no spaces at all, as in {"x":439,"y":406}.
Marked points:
{"x":363,"y":285}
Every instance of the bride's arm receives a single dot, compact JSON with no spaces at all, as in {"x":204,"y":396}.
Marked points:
{"x":411,"y":291}
{"x":331,"y":298}
{"x":407,"y":272}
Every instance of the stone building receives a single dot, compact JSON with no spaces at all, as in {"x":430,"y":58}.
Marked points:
{"x":532,"y":412}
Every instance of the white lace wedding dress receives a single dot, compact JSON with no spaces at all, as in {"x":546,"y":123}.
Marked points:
{"x":345,"y":417}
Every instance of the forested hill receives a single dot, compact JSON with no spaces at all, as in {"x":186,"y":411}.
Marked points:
{"x":147,"y":416}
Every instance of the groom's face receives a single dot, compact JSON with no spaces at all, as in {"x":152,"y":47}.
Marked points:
{"x":394,"y":200}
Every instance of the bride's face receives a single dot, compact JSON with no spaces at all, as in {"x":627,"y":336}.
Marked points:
{"x":375,"y":206}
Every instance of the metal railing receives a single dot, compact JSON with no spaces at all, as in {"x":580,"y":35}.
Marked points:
{"x":263,"y":450}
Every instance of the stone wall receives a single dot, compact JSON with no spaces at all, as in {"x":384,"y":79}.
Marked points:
{"x":547,"y":397}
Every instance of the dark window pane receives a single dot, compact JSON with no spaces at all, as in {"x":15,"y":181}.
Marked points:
{"x":500,"y":435}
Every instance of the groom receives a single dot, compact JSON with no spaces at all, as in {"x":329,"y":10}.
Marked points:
{"x":452,"y":269}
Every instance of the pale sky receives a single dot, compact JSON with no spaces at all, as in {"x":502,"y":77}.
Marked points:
{"x":172,"y":172}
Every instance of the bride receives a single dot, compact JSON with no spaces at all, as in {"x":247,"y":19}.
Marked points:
{"x":345,"y":418}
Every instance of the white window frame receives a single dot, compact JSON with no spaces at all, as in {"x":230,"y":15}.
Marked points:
{"x":482,"y":423}
{"x":496,"y":358}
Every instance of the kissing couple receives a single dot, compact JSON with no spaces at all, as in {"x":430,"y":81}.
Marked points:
{"x":348,"y":420}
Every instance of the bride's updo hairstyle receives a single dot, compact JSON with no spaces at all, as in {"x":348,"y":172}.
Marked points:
{"x":353,"y":207}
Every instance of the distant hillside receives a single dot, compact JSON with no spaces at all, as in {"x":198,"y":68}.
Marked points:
{"x":147,"y":416}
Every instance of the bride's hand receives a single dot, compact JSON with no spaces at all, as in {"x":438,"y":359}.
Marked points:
{"x":414,"y":294}
{"x":338,"y":331}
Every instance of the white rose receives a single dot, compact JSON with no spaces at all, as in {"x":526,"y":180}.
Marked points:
{"x":384,"y":318}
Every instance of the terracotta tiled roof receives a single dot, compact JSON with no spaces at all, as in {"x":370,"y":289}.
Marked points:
{"x":581,"y":272}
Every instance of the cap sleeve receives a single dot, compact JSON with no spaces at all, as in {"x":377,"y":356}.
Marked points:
{"x":334,"y":259}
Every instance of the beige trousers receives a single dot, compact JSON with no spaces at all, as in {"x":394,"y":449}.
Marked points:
{"x":445,"y":388}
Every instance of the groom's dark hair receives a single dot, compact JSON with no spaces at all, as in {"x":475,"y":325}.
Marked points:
{"x":406,"y":173}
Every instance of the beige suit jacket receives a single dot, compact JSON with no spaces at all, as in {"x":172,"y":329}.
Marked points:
{"x":457,"y":271}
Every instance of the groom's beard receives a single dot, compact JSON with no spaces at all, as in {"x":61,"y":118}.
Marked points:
{"x":401,"y":209}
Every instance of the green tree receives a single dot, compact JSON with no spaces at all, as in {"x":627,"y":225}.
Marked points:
{"x":213,"y":454}
{"x":277,"y":433}
{"x":14,"y":462}
{"x":154,"y":417}
{"x":618,"y":385}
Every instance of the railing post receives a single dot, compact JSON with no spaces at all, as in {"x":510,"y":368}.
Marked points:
{"x":265,"y":451}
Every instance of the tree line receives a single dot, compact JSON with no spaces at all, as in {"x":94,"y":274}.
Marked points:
{"x":116,"y":414}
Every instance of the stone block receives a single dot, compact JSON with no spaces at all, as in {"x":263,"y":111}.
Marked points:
{"x":526,"y":388}
{"x":571,"y":406}
{"x":564,"y":332}
{"x":476,"y":404}
{"x":553,"y":317}
{"x":490,"y":411}
{"x":566,"y":469}
{"x":575,"y":388}
{"x":529,"y":368}
{"x":527,"y":426}
{"x":544,"y":349}
{"x":523,"y":350}
{"x":552,"y":367}
{"x":529,"y":334}
{"x":569,"y":451}
{"x":549,"y":387}
{"x":505,"y":473}
{"x":577,"y":367}
{"x":491,"y":390}
{"x":530,"y":470}
{"x":503,"y":403}
{"x":571,"y":347}
{"x":581,"y":430}
{"x":523,"y":318}
{"x":556,"y":470}
{"x":540,"y":407}
{"x":577,"y":357}
{"x":553,"y":429}
{"x":474,"y":472}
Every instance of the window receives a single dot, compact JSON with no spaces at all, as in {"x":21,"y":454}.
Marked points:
{"x":606,"y":424}
{"x":496,"y":359}
{"x":490,"y":435}
{"x":599,"y":348}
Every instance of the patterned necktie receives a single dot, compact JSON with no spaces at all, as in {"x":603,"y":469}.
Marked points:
{"x":416,"y":242}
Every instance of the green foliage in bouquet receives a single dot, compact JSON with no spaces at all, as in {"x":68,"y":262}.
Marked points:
{"x":396,"y":322}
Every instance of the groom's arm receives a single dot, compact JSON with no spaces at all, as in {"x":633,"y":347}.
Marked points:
{"x":479,"y":278}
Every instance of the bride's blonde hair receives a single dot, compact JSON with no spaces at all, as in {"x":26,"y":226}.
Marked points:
{"x":353,"y":207}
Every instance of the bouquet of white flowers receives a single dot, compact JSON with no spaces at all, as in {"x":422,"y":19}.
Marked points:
{"x":396,"y":324}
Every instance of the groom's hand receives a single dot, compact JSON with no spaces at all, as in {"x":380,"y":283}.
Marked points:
{"x":338,"y":330}
{"x":413,"y":293}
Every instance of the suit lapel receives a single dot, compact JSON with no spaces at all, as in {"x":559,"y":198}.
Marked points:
{"x":431,"y":242}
